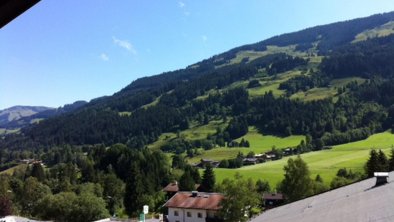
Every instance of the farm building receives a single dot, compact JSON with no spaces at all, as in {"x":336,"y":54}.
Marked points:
{"x":193,"y":207}
{"x":272,"y":200}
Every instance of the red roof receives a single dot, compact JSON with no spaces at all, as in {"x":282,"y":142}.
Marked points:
{"x":174,"y":187}
{"x":171,"y":187}
{"x":207,"y":201}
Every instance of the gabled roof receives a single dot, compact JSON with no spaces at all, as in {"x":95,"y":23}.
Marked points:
{"x":174,"y":187}
{"x":207,"y":201}
{"x":171,"y":187}
{"x":361,"y":201}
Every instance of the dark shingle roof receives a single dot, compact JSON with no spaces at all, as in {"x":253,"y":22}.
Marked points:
{"x":356,"y":202}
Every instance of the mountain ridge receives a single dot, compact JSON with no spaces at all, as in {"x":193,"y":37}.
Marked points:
{"x":17,"y":112}
{"x":140,"y":112}
{"x":32,"y":114}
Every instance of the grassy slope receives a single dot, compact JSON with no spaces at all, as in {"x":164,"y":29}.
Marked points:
{"x":271,"y":49}
{"x":8,"y":131}
{"x":325,"y":92}
{"x":11,"y":170}
{"x":202,"y":131}
{"x":381,"y":31}
{"x":258,"y":143}
{"x":194,"y":133}
{"x":326,"y":163}
{"x":272,"y":84}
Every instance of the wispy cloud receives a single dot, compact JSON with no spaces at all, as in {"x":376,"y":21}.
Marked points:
{"x":182,"y":6}
{"x":204,"y":38}
{"x":124,"y":44}
{"x":104,"y":57}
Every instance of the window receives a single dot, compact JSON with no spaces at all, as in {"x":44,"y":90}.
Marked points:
{"x":176,"y":213}
{"x":199,"y":215}
{"x":188,"y":214}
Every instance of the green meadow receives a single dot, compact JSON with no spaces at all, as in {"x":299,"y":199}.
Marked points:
{"x":326,"y":92}
{"x":326,"y":163}
{"x":258,"y":144}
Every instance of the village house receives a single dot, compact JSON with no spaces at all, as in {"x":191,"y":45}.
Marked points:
{"x":204,"y":162}
{"x":193,"y":207}
{"x":172,"y":188}
{"x":260,"y":157}
{"x":272,"y":200}
{"x":250,"y":161}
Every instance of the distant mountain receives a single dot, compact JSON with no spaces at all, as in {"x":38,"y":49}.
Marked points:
{"x":333,"y":83}
{"x":22,"y":116}
{"x":16,"y":113}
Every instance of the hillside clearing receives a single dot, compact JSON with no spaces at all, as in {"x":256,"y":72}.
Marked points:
{"x":258,"y":144}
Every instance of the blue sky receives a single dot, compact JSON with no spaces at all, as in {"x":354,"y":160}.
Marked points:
{"x":62,"y":51}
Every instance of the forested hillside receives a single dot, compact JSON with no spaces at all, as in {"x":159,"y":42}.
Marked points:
{"x":287,"y":95}
{"x":174,"y":101}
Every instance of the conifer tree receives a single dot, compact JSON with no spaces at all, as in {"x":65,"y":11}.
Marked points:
{"x":133,"y":199}
{"x":38,"y":172}
{"x":372,"y":164}
{"x":208,"y":179}
{"x":186,"y":182}
{"x":383,"y":162}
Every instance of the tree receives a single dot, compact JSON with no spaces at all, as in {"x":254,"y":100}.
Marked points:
{"x":262,"y":186}
{"x":372,"y":164}
{"x":67,"y":206}
{"x":240,"y":198}
{"x":113,"y":192}
{"x":391,"y":160}
{"x":339,"y":182}
{"x":186,"y":182}
{"x":32,"y":191}
{"x":297,"y":183}
{"x":318,"y":185}
{"x":377,"y":162}
{"x":208,"y":179}
{"x":5,"y":206}
{"x":133,"y":198}
{"x":57,"y":207}
{"x":178,"y":161}
{"x":194,"y":173}
{"x":88,"y":207}
{"x":383,"y":162}
{"x":38,"y":172}
{"x":224,"y":163}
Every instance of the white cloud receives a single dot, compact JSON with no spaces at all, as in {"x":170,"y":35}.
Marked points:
{"x":124,"y":44}
{"x":183,"y":8}
{"x":104,"y":57}
{"x":204,"y":38}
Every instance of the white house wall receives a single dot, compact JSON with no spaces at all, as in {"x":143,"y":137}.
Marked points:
{"x":182,"y":215}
